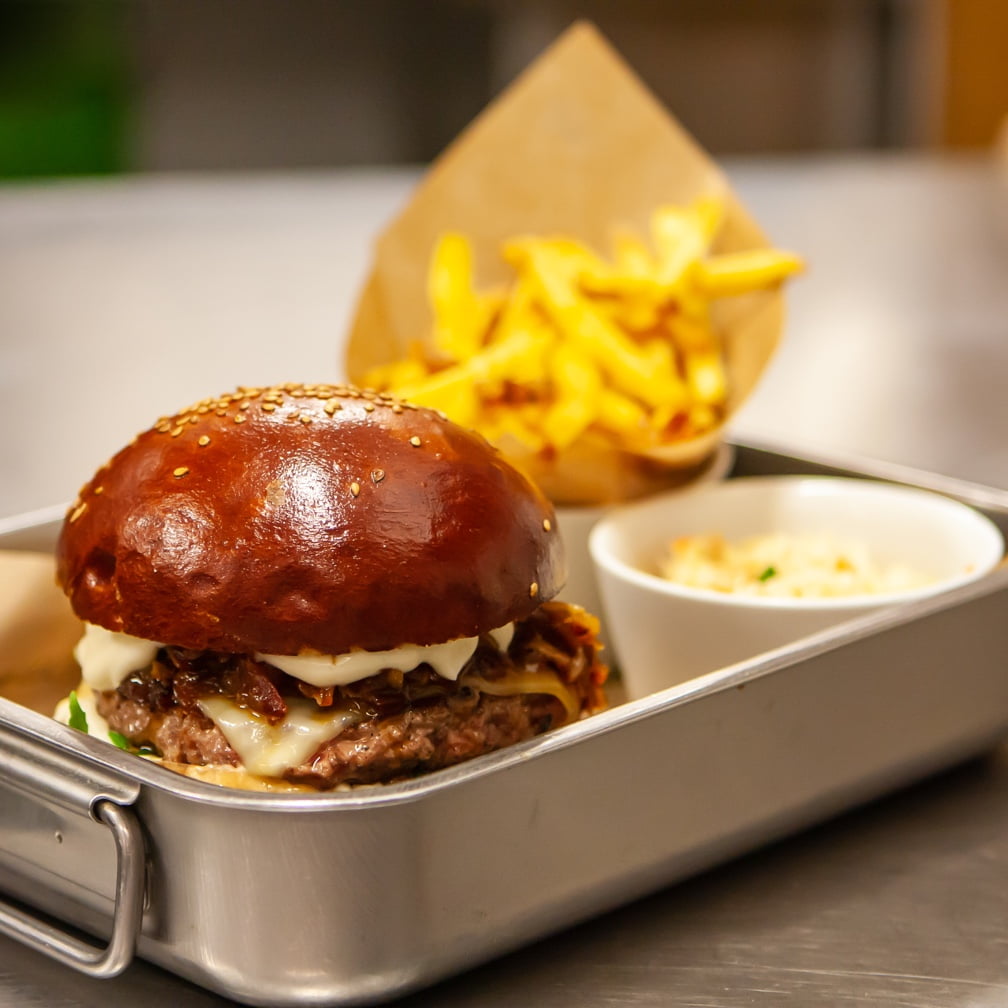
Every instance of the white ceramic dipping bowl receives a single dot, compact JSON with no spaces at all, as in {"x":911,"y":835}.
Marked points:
{"x":663,"y":633}
{"x":575,"y":525}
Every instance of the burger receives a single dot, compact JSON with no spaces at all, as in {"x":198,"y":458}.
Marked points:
{"x":320,"y":586}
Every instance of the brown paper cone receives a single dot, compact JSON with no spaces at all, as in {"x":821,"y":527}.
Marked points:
{"x":577,"y":146}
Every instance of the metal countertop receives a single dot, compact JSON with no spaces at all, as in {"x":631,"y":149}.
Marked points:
{"x":897,"y":348}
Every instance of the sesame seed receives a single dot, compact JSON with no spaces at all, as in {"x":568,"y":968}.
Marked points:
{"x":245,"y":405}
{"x":396,"y":408}
{"x":546,"y":525}
{"x":99,"y":490}
{"x":78,"y":511}
{"x":194,"y":419}
{"x":533,"y":590}
{"x":415,"y":441}
{"x":177,"y":431}
{"x":240,"y":418}
{"x":203,"y":441}
{"x":355,"y":488}
{"x":181,"y":471}
{"x":305,"y":418}
{"x":377,"y":475}
{"x":332,"y":405}
{"x":369,"y":407}
{"x":268,"y":407}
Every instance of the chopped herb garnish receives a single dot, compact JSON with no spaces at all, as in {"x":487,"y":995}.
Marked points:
{"x":78,"y":719}
{"x":118,"y":739}
{"x":768,"y":573}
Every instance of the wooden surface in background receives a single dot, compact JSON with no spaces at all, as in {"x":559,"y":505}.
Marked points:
{"x":976,"y":71}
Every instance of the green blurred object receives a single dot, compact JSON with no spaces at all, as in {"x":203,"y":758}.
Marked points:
{"x":64,"y":87}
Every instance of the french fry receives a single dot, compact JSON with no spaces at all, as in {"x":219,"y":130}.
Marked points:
{"x":632,"y":257}
{"x":589,"y":330}
{"x":706,"y":378}
{"x":739,"y":272}
{"x":620,"y":415}
{"x":567,"y":257}
{"x":625,"y":349}
{"x":702,"y":416}
{"x":511,"y":428}
{"x":499,"y":362}
{"x":459,"y":400}
{"x":637,"y":315}
{"x":690,"y":328}
{"x":461,"y":316}
{"x":671,"y":389}
{"x":682,"y":236}
{"x":578,"y":384}
{"x":398,"y":374}
{"x":522,"y":324}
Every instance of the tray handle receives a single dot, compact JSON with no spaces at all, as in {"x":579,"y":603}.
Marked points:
{"x":95,"y":961}
{"x":70,"y":950}
{"x":68,"y":777}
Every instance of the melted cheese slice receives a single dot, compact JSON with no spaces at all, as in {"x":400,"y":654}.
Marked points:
{"x":339,"y":670}
{"x":268,"y":750}
{"x":106,"y":658}
{"x":529,"y":682}
{"x":503,"y":636}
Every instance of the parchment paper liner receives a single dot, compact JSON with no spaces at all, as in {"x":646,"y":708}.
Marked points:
{"x":38,"y":632}
{"x":578,"y":146}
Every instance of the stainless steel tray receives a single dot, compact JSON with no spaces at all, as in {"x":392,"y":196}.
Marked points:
{"x":352,"y":898}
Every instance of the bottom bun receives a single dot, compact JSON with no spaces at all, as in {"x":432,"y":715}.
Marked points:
{"x":235,"y":777}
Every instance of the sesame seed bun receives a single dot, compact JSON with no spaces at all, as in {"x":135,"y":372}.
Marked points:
{"x":317,"y":518}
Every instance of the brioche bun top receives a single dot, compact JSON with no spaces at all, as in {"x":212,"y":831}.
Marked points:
{"x":307,"y":518}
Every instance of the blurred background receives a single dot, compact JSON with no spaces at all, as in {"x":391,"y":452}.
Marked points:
{"x":183,"y":180}
{"x":107,"y":86}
